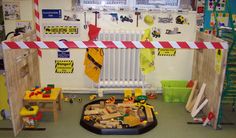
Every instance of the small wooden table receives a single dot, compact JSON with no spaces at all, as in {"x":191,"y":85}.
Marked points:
{"x":55,"y":99}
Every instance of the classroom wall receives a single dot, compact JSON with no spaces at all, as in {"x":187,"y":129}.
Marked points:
{"x":176,"y":67}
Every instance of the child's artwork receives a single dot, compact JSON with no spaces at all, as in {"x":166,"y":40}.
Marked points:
{"x":11,"y":10}
{"x":219,"y":7}
{"x":222,"y":18}
{"x":27,"y":25}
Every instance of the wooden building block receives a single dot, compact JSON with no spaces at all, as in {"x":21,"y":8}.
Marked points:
{"x":149,"y":114}
{"x":111,"y":109}
{"x":127,"y":104}
{"x":127,"y":93}
{"x":138,"y":92}
{"x":110,"y":116}
{"x":98,"y":125}
{"x":91,"y":112}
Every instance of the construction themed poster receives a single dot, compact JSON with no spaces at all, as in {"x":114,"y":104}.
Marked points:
{"x":166,"y":52}
{"x":66,"y":29}
{"x":64,"y":66}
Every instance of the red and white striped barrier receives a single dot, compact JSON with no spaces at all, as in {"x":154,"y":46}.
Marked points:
{"x":115,"y":44}
{"x":37,"y":23}
{"x":36,"y":15}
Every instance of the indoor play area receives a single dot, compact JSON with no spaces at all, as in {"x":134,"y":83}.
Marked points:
{"x":118,"y":68}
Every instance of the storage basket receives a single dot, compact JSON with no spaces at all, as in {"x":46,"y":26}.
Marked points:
{"x":175,"y":90}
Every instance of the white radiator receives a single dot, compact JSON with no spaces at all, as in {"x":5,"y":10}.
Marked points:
{"x":121,"y":66}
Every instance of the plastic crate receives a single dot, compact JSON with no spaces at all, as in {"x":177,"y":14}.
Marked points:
{"x":175,"y":90}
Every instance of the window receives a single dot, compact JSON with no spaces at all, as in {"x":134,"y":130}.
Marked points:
{"x":157,"y":3}
{"x":130,"y":3}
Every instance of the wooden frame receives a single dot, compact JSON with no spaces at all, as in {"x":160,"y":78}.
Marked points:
{"x":22,"y":73}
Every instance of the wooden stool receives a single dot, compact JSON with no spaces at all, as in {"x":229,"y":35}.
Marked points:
{"x":30,"y":118}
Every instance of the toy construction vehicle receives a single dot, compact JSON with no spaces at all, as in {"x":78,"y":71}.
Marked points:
{"x":125,"y":18}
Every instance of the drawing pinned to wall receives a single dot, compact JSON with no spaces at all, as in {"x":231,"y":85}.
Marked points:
{"x":222,"y":18}
{"x":219,"y":7}
{"x":11,"y":10}
{"x":168,"y":19}
{"x":234,"y":19}
{"x":181,"y":20}
{"x":166,"y":52}
{"x":156,"y":32}
{"x":64,"y":66}
{"x":27,"y":25}
{"x":126,"y":18}
{"x":54,"y":29}
{"x":174,"y":31}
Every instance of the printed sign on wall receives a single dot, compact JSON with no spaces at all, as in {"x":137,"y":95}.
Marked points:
{"x":64,"y":66}
{"x":166,"y":52}
{"x":218,"y":60}
{"x":51,"y":13}
{"x":63,"y":53}
{"x":66,"y":29}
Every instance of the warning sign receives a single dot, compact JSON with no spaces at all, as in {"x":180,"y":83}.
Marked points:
{"x":218,"y":60}
{"x":55,"y":29}
{"x":60,"y":29}
{"x":166,"y":52}
{"x":64,"y":66}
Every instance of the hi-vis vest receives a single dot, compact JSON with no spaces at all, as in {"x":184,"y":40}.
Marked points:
{"x":93,"y":63}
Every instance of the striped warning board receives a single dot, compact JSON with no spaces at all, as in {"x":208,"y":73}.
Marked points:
{"x":166,"y":52}
{"x":70,"y":30}
{"x":64,"y":66}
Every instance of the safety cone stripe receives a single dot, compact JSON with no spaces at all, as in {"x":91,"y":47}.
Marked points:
{"x":115,"y":44}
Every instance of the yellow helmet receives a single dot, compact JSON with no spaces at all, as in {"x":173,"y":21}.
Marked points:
{"x":149,"y":20}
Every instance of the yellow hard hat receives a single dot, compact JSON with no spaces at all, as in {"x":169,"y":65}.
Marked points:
{"x":149,"y":20}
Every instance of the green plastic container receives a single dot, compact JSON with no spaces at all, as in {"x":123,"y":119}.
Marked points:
{"x":175,"y":91}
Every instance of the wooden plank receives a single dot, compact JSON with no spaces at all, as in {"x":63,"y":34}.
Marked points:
{"x":17,"y":84}
{"x":188,"y":106}
{"x":199,"y":97}
{"x":204,"y":71}
{"x":194,"y":113}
